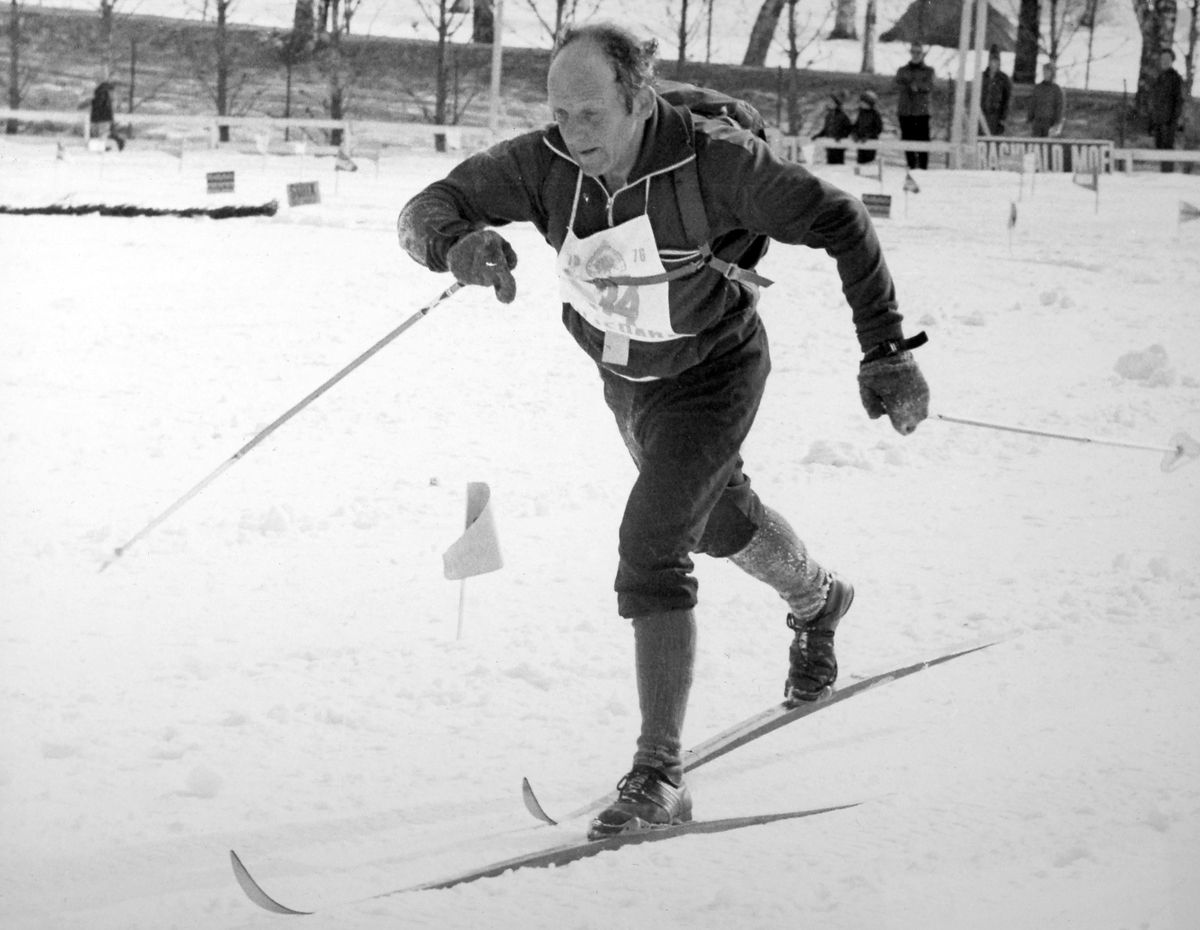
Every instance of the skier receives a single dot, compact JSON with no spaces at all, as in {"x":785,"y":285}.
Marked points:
{"x":681,"y":350}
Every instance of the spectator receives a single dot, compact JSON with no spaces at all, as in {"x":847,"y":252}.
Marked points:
{"x":915,"y":81}
{"x":995,"y":92}
{"x":837,"y":126}
{"x":1047,"y":106}
{"x":1164,"y":103}
{"x":868,"y":124}
{"x":101,"y":117}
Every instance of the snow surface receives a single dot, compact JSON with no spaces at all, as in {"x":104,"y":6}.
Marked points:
{"x":275,"y":670}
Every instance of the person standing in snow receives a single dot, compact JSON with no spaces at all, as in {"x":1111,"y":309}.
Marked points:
{"x":101,"y":114}
{"x":995,"y":91}
{"x":1164,"y":104}
{"x":868,"y":124}
{"x":671,"y":322}
{"x":915,"y":103}
{"x":1047,"y":106}
{"x":836,"y":126}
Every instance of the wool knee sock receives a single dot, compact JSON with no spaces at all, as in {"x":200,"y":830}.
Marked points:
{"x":665,"y":646}
{"x":776,"y":555}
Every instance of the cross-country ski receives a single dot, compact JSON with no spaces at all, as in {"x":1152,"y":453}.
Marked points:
{"x":753,"y":727}
{"x":557,"y":855}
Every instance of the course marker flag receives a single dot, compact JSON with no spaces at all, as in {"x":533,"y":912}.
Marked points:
{"x":477,"y":551}
{"x":1188,"y":212}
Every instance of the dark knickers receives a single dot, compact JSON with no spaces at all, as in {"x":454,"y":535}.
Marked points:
{"x":685,"y":435}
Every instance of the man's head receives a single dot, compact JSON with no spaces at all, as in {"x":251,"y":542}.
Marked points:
{"x":1048,"y":72}
{"x":994,"y":59}
{"x":869,"y":98}
{"x":1166,"y":59}
{"x":917,"y":51}
{"x":600,"y":96}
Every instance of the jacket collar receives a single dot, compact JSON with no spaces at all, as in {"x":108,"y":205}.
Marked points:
{"x":667,"y":143}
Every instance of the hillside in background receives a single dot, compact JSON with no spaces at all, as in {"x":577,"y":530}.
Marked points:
{"x":164,"y":65}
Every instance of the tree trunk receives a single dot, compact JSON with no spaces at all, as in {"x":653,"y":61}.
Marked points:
{"x":843,"y":21}
{"x":794,"y":118}
{"x":439,"y":103}
{"x":483,"y":22}
{"x":868,"y":58}
{"x":1156,"y":20}
{"x":106,"y":34}
{"x":1028,"y":31}
{"x":1189,"y":61}
{"x":683,"y":10}
{"x":14,"y":64}
{"x":763,"y":32}
{"x":222,"y":39}
{"x":302,"y":22}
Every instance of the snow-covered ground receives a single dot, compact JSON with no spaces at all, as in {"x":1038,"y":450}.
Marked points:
{"x":275,"y":669}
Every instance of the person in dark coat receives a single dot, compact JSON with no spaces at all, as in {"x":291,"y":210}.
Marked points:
{"x":101,"y":115}
{"x":1047,"y":106}
{"x":681,"y":353}
{"x":915,"y":103}
{"x":995,"y":92}
{"x":837,"y":126}
{"x":1164,"y":103}
{"x":868,"y":124}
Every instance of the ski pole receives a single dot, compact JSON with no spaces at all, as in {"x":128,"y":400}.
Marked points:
{"x":1181,"y":444}
{"x":283,"y":418}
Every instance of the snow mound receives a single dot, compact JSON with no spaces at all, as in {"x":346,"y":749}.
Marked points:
{"x":837,"y":454}
{"x":1151,"y":367}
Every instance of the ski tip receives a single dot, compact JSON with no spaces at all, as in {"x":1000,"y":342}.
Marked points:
{"x":254,"y":892}
{"x":532,"y":805}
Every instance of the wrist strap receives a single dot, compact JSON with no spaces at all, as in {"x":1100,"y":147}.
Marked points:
{"x":894,"y":347}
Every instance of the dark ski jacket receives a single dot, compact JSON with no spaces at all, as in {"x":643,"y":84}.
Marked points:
{"x":747,"y":192}
{"x":102,"y":108}
{"x":916,"y":90}
{"x":1047,"y":105}
{"x":995,"y":92}
{"x":1164,"y":102}
{"x":837,"y":125}
{"x":868,"y":124}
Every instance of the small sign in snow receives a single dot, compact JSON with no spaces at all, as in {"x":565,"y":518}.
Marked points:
{"x":220,"y":182}
{"x":303,"y":192}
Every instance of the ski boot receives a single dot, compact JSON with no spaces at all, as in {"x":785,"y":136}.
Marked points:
{"x":813,"y":663}
{"x":646,"y":798}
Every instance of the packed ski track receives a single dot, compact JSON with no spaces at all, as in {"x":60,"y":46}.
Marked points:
{"x":274,"y":669}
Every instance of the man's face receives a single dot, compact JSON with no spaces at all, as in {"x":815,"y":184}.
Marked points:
{"x":917,"y":54}
{"x":589,"y":107}
{"x":1048,"y":72}
{"x":994,"y":64}
{"x":1166,"y":61}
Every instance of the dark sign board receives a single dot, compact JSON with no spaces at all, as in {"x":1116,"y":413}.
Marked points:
{"x":220,"y":182}
{"x":878,"y":205}
{"x":303,"y":192}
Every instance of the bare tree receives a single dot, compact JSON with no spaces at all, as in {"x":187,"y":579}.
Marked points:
{"x":1156,"y":20}
{"x":219,"y":65}
{"x":16,"y":75}
{"x":1189,"y":59}
{"x":446,"y":22}
{"x":844,"y":20}
{"x":868,"y":40}
{"x":564,"y":11}
{"x":762,"y":33}
{"x":1029,"y":30}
